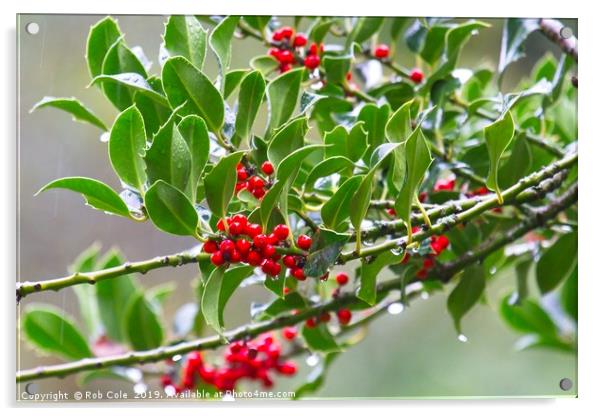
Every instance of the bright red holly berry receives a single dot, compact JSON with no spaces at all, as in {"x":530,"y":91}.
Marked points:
{"x":227,"y":246}
{"x":391,"y":212}
{"x":268,"y":266}
{"x":287,"y":32}
{"x":311,"y":323}
{"x":286,"y":57}
{"x":273,"y":239}
{"x":241,"y":174}
{"x":276,"y":269}
{"x":312,"y":61}
{"x":281,"y":231}
{"x":267,"y":167}
{"x":240,"y":186}
{"x":243,"y":246}
{"x":428,"y":263}
{"x":289,"y":333}
{"x":217,"y":258}
{"x":260,"y":240}
{"x":278,"y":35}
{"x":289,"y":261}
{"x":298,"y":273}
{"x":275,"y":52}
{"x":236,"y":228}
{"x":210,"y":247}
{"x":445,"y":185}
{"x":253,"y":229}
{"x":255,"y":182}
{"x":258,"y":193}
{"x":268,"y":250}
{"x":344,"y":316}
{"x":240,"y":218}
{"x":221,"y":226}
{"x":235,"y":256}
{"x":416,"y":75}
{"x":285,"y":68}
{"x":254,"y":258}
{"x":381,"y":51}
{"x":300,"y":40}
{"x":304,"y":242}
{"x":342,"y":278}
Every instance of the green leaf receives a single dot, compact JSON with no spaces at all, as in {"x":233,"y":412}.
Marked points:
{"x":351,"y":144}
{"x":276,"y":284}
{"x":283,"y":94}
{"x":220,"y":41}
{"x":514,"y":35}
{"x":218,"y":290}
{"x":336,"y":68}
{"x":328,"y":167}
{"x":568,"y":295}
{"x":53,"y":331}
{"x":252,"y":91}
{"x":185,"y":84}
{"x":170,"y":210}
{"x":72,"y":106}
{"x":369,"y":273}
{"x":375,"y":119}
{"x":518,"y":164}
{"x":319,"y":339}
{"x":466,"y":294}
{"x":153,"y":113}
{"x":498,"y":136}
{"x":292,"y":301}
{"x":418,"y":159}
{"x":265,"y":64}
{"x":185,"y":36}
{"x":136,"y":83}
{"x":113,"y":296}
{"x":522,"y":269}
{"x":398,"y":129}
{"x":88,"y":307}
{"x":363,"y":28}
{"x":220,"y":184}
{"x":320,"y":29}
{"x":257,"y":22}
{"x":287,"y":139}
{"x":97,"y":194}
{"x":119,"y":60}
{"x":127,"y":144}
{"x":557,"y":262}
{"x":338,"y":208}
{"x":169,"y":158}
{"x":194,"y":131}
{"x":233,"y":80}
{"x":141,"y":324}
{"x":527,"y":317}
{"x":434,"y":43}
{"x":326,"y":247}
{"x":100,"y":39}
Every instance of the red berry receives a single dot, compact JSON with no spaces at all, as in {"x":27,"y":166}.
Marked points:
{"x":421,"y":274}
{"x":255,"y":182}
{"x":268,"y":266}
{"x":273,"y":239}
{"x":312,"y":61}
{"x":313,"y":49}
{"x":391,"y":212}
{"x":258,"y":193}
{"x":278,"y":35}
{"x":416,"y":75}
{"x":276,"y":269}
{"x":348,"y":76}
{"x":227,"y":246}
{"x":166,"y":380}
{"x":300,"y":40}
{"x":445,"y":185}
{"x":304,"y":242}
{"x":275,"y":52}
{"x":260,"y":240}
{"x":381,"y":51}
{"x":236,"y":228}
{"x":342,"y":278}
{"x":254,"y":258}
{"x":287,"y":32}
{"x":217,"y":258}
{"x":240,"y":186}
{"x":285,"y":68}
{"x":253,"y":229}
{"x":241,"y":174}
{"x":298,"y":274}
{"x":422,"y":196}
{"x":428,"y":263}
{"x":281,"y":232}
{"x":240,"y":218}
{"x":210,"y":247}
{"x":289,"y":261}
{"x":344,"y":316}
{"x":325,"y":317}
{"x":286,"y":57}
{"x":235,"y":256}
{"x":268,"y":250}
{"x":267,"y":168}
{"x":221,"y":226}
{"x":289,"y":333}
{"x":243,"y":246}
{"x":311,"y":323}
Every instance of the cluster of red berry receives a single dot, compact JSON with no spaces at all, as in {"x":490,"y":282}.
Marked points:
{"x":246,"y":243}
{"x":253,"y":360}
{"x":438,"y":244}
{"x":343,"y":314}
{"x":256,"y":185}
{"x":289,"y":49}
{"x":382,"y":51}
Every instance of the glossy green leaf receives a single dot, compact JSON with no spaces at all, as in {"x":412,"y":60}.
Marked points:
{"x":518,"y":165}
{"x":136,"y":83}
{"x":398,"y":129}
{"x":188,"y":87}
{"x":375,"y":119}
{"x":113,"y":296}
{"x":252,"y":91}
{"x":326,"y":247}
{"x":364,"y":28}
{"x":338,"y":208}
{"x":97,"y":194}
{"x":319,"y":339}
{"x":336,"y":68}
{"x":350,"y":144}
{"x":266,"y":64}
{"x":418,"y":159}
{"x":127,"y":144}
{"x":73,"y":106}
{"x":194,"y":131}
{"x":292,"y":301}
{"x":220,"y":41}
{"x":369,"y":274}
{"x":287,"y":139}
{"x":170,"y":210}
{"x":185,"y":36}
{"x":100,"y":39}
{"x":153,"y":113}
{"x":434,"y":43}
{"x":466,"y":294}
{"x":515,"y":32}
{"x":218,"y":290}
{"x":220,"y":183}
{"x":258,"y":23}
{"x":557,"y":262}
{"x":119,"y":60}
{"x":527,"y":317}
{"x":141,"y":324}
{"x":233,"y":80}
{"x":498,"y":136}
{"x":169,"y":158}
{"x":328,"y":167}
{"x":283,"y":94}
{"x":54,"y":332}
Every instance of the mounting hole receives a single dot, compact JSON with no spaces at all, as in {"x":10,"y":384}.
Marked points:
{"x":566,"y":384}
{"x":566,"y":32}
{"x":32,"y":28}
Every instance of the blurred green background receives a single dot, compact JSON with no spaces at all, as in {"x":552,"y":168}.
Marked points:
{"x":415,"y":353}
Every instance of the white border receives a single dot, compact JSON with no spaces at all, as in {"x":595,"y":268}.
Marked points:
{"x":590,"y":141}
